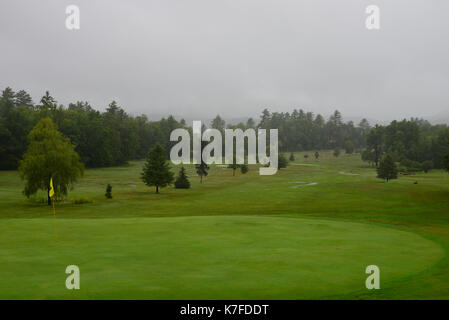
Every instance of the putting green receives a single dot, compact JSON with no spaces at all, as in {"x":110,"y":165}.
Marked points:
{"x":209,"y":257}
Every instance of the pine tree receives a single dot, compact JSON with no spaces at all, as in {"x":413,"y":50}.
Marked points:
{"x":201,"y":170}
{"x":8,"y":94}
{"x":22,"y":98}
{"x":317,"y":155}
{"x":446,"y":162}
{"x":108,"y":193}
{"x":182,"y":182}
{"x":337,"y":152}
{"x":234,"y":166}
{"x":156,"y":170}
{"x":282,"y":161}
{"x":349,"y":147}
{"x":427,"y":165}
{"x":292,"y":157}
{"x":387,"y":169}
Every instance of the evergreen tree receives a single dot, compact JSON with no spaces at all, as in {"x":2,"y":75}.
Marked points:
{"x":48,"y":103}
{"x":201,"y":170}
{"x":22,"y":98}
{"x":336,"y":152}
{"x":292,"y":157}
{"x":317,"y":155}
{"x":156,"y":170}
{"x":427,"y":165}
{"x":282,"y":161}
{"x":368,"y":156}
{"x":8,"y":94}
{"x":108,"y":193}
{"x":234,"y":166}
{"x":375,"y":142}
{"x":15,"y":124}
{"x":49,"y":156}
{"x":244,"y":168}
{"x":250,"y":123}
{"x":387,"y":169}
{"x":349,"y":147}
{"x":182,"y":182}
{"x":446,"y":162}
{"x":218,"y":123}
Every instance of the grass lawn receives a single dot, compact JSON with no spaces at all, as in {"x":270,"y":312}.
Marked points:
{"x":307,"y":232}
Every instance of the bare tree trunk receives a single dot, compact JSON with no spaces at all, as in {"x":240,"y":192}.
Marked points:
{"x":157,"y":189}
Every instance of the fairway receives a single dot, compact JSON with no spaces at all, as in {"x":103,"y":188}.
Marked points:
{"x":307,"y":232}
{"x":205,"y":257}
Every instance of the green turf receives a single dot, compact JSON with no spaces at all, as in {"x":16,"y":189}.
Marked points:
{"x":307,"y":232}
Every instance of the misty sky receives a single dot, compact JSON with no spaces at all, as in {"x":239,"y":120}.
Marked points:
{"x":203,"y":57}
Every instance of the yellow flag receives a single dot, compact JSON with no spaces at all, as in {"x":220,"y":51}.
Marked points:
{"x":51,"y":193}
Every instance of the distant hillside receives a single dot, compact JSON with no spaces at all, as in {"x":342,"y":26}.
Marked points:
{"x":440,"y":118}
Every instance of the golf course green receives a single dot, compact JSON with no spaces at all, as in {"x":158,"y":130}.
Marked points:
{"x":307,"y":232}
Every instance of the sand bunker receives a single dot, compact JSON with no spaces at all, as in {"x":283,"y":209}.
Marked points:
{"x":348,"y":173}
{"x":304,"y":185}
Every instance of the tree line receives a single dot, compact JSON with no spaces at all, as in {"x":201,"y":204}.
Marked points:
{"x":414,"y":144}
{"x":114,"y":137}
{"x":304,"y":131}
{"x":101,"y":138}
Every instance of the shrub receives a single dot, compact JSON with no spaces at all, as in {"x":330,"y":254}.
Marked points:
{"x":108,"y":193}
{"x":337,"y":152}
{"x":282,"y":161}
{"x":427,"y":165}
{"x":412,"y":166}
{"x":387,"y":169}
{"x":349,"y":147}
{"x":182,"y":182}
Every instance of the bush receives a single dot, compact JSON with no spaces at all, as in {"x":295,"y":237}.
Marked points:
{"x":349,"y":147}
{"x":337,"y":152}
{"x":282,"y":161}
{"x":182,"y":182}
{"x":427,"y":165}
{"x":387,"y":169}
{"x":108,"y":193}
{"x":411,"y":166}
{"x":244,"y":168}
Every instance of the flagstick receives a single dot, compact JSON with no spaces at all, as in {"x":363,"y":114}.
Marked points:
{"x":54,"y":217}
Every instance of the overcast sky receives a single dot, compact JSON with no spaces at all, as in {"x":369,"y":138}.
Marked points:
{"x":232,"y":57}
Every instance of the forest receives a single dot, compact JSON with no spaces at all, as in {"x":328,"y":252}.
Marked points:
{"x":114,"y":137}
